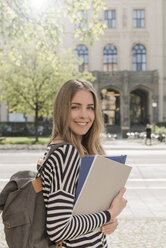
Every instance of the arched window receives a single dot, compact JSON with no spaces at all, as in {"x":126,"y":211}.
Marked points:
{"x":82,"y":52}
{"x":139,"y":58}
{"x":110,"y":58}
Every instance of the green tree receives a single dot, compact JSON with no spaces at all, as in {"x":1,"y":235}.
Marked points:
{"x":30,"y":79}
{"x":30,"y":30}
{"x":45,"y":20}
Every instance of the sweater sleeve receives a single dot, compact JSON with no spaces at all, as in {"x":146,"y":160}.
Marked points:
{"x":60,"y":179}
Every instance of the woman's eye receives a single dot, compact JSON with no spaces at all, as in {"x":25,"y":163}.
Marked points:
{"x":91,"y":108}
{"x":74,"y":107}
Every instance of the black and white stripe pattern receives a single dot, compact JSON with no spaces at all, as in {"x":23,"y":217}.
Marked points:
{"x":60,"y":177}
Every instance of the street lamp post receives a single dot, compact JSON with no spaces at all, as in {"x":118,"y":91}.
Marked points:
{"x":154,"y":106}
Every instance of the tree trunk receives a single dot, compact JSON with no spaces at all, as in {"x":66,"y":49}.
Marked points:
{"x":36,"y":124}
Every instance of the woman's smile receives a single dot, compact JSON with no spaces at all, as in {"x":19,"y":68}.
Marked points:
{"x":81,"y":123}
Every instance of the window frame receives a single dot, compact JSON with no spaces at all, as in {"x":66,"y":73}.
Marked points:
{"x":83,"y":53}
{"x":112,"y":21}
{"x":82,"y":16}
{"x":139,"y":58}
{"x":111,"y":61}
{"x":139,"y":18}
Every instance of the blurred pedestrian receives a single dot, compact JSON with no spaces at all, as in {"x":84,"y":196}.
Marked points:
{"x":148,"y":131}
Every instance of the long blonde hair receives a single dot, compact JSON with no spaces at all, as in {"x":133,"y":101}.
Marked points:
{"x":90,"y":144}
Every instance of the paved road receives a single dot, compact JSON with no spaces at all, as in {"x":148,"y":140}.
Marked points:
{"x":13,"y":161}
{"x":143,"y":223}
{"x":146,"y":187}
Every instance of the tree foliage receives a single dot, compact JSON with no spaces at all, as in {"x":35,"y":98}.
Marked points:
{"x":44,"y":20}
{"x":30,"y":79}
{"x":31,"y":68}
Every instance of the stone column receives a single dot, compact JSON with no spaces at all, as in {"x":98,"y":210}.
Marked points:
{"x":125,"y":107}
{"x":155,"y":98}
{"x":96,"y":83}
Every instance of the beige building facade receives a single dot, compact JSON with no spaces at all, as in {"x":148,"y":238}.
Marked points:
{"x":129,"y":63}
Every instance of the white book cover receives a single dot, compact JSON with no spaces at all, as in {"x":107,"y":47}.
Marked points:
{"x":103,"y":182}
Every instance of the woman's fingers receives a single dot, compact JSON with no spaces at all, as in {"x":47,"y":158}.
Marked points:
{"x":118,"y":204}
{"x":110,"y":227}
{"x":40,"y":161}
{"x":109,"y":230}
{"x":122,"y":191}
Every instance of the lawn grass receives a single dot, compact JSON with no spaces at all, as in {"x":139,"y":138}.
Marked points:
{"x":25,"y":140}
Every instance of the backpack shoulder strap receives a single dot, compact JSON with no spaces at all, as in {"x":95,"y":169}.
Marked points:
{"x":51,"y":150}
{"x":37,"y":182}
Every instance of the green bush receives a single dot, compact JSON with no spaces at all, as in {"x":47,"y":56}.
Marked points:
{"x":161,"y":124}
{"x":159,"y":129}
{"x":24,"y":129}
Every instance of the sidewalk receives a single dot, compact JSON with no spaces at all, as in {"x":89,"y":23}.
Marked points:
{"x":117,"y":144}
{"x":143,"y":223}
{"x":133,"y":144}
{"x":131,"y":233}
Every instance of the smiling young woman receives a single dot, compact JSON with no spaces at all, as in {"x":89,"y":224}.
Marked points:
{"x":77,"y":124}
{"x":77,"y":95}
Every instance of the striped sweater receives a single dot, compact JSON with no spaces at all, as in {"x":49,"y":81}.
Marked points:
{"x":59,"y":179}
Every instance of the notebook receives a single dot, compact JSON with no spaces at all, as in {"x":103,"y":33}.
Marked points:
{"x":104,"y":180}
{"x":86,"y":163}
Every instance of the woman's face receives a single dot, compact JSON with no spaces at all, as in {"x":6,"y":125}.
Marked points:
{"x":82,"y":113}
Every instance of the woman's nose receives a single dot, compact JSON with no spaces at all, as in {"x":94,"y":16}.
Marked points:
{"x":83,"y":113}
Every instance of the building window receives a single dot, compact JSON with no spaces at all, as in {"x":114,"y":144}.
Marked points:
{"x":110,"y":18}
{"x":110,"y":58}
{"x":16,"y":117}
{"x":139,"y":58}
{"x":81,"y":19}
{"x":82,"y":52}
{"x":139,"y":18}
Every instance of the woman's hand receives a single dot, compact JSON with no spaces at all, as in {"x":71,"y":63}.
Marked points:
{"x":110,"y":227}
{"x":39,"y":163}
{"x":118,"y":204}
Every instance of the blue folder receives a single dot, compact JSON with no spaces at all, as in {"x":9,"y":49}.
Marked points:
{"x":86,"y":163}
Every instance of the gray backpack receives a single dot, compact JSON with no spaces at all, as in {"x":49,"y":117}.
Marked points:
{"x":24,"y":213}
